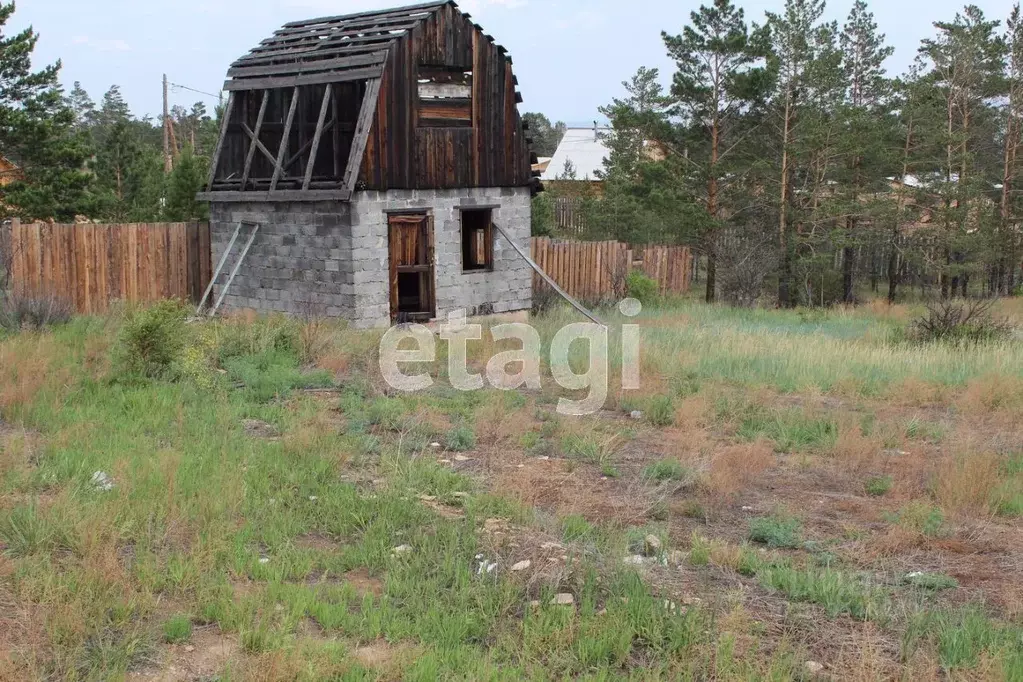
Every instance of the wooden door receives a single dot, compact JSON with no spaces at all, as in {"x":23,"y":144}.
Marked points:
{"x":412,"y":279}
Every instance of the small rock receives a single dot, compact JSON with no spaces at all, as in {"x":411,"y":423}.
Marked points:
{"x":634,"y":560}
{"x":428,"y":498}
{"x":652,"y":545}
{"x":544,"y":458}
{"x":264,"y":560}
{"x":101,"y":481}
{"x":535,"y":603}
{"x":563,"y":599}
{"x":551,"y":545}
{"x":747,"y":509}
{"x":401,"y":549}
{"x":485,"y":565}
{"x":814,"y":668}
{"x":460,"y":495}
{"x":636,"y":414}
{"x":521,"y":466}
{"x":914,"y":574}
{"x":189,"y":648}
{"x":602,"y":612}
{"x":435,"y":446}
{"x":443,"y":461}
{"x":462,"y":458}
{"x":313,"y":498}
{"x":521,"y":566}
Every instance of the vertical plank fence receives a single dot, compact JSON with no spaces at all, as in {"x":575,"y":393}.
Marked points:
{"x":597,"y":271}
{"x":93,"y":265}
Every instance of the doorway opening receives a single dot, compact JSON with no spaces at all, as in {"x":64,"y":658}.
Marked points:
{"x":411,"y":259}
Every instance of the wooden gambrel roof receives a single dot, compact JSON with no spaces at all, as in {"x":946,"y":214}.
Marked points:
{"x":327,"y":50}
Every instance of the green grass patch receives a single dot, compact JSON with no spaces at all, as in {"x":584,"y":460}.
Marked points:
{"x":878,"y":486}
{"x":666,"y":470}
{"x":177,"y":629}
{"x":790,"y":430}
{"x":777,"y":531}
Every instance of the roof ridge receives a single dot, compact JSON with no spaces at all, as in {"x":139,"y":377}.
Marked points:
{"x":369,"y":14}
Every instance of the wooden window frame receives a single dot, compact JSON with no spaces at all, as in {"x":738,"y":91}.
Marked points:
{"x":488,"y":238}
{"x":442,"y":107}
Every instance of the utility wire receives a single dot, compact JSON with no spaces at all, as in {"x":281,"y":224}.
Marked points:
{"x":185,"y":87}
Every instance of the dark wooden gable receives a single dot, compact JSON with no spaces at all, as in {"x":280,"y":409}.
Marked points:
{"x":409,"y":98}
{"x":478,"y":141}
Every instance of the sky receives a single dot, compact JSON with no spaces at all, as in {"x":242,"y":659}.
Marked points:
{"x":570,"y":56}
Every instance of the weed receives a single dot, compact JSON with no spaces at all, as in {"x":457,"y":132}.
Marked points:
{"x":776,"y":531}
{"x":834,"y":590}
{"x":878,"y":486}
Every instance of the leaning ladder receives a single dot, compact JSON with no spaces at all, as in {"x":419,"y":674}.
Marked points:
{"x":234,"y":270}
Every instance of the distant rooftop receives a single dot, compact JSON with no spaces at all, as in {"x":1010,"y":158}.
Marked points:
{"x":584,"y":148}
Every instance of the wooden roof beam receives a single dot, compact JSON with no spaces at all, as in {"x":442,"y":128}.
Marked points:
{"x":270,"y":83}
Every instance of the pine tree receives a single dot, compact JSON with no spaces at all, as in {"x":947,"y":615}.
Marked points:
{"x":967,"y":62}
{"x":634,"y":120}
{"x":718,"y":77}
{"x":867,"y":131}
{"x":184,"y":181}
{"x":83,"y":107}
{"x":37,"y":133}
{"x":1009,"y":202}
{"x":797,"y":40}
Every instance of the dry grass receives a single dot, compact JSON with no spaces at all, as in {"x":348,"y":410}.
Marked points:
{"x":965,"y":483}
{"x":27,"y":364}
{"x":855,"y":451}
{"x":734,"y":468}
{"x":993,"y":393}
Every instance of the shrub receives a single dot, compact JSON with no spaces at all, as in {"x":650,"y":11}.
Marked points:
{"x":32,"y":312}
{"x":641,"y":287}
{"x":151,"y":340}
{"x":959,"y":322}
{"x":775,"y":531}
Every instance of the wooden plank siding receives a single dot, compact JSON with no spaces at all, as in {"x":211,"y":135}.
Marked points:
{"x":596,"y":271}
{"x":91,"y":266}
{"x":446,"y":144}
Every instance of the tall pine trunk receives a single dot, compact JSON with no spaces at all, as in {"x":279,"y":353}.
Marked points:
{"x":785,"y":273}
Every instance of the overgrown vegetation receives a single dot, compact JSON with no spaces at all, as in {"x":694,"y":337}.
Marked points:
{"x":212,"y":515}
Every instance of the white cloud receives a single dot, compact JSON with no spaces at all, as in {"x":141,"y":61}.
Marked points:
{"x":102,"y":45}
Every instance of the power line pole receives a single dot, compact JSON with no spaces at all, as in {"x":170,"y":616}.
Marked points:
{"x":167,"y":163}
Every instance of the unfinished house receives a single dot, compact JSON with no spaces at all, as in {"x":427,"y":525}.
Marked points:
{"x":373,"y":167}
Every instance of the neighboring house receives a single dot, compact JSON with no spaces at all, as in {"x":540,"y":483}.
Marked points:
{"x":577,"y":160}
{"x":369,"y":158}
{"x":9,"y":171}
{"x":541,"y":165}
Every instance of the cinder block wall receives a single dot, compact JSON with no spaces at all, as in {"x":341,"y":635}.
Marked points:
{"x":508,"y":288}
{"x":300,"y":263}
{"x":331,"y":258}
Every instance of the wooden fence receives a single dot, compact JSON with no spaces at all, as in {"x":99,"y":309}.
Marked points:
{"x":92,"y":265}
{"x":596,"y":271}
